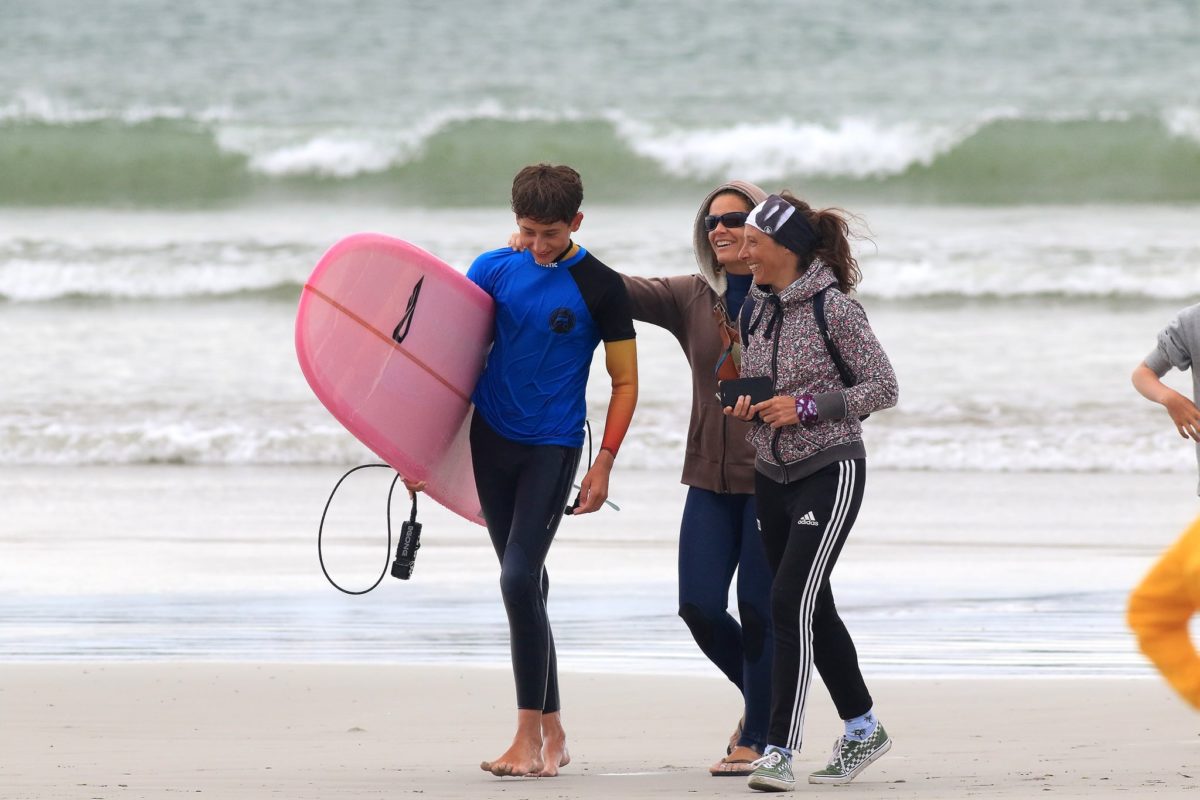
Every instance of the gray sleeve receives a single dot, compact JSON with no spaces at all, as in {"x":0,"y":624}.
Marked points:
{"x":831,"y":405}
{"x":1177,"y":343}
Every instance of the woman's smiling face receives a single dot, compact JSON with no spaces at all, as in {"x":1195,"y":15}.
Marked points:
{"x":770,"y":263}
{"x":726,"y":242}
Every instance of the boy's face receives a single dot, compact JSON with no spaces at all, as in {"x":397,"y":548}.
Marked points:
{"x":545,"y":240}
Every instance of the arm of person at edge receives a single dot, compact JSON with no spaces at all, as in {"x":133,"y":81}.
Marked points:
{"x":1183,"y":411}
{"x":620,"y":358}
{"x":1161,"y":608}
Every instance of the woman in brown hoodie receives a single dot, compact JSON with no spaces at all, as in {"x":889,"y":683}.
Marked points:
{"x":719,"y":533}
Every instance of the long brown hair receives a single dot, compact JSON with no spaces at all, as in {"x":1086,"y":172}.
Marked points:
{"x":833,"y":227}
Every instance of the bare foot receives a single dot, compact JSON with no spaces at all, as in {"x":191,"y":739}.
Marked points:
{"x":520,"y":759}
{"x":524,"y":755}
{"x":554,"y":755}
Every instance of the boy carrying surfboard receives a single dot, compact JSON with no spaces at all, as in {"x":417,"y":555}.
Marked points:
{"x":555,"y":302}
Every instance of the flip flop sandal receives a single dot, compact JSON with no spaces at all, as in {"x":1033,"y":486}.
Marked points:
{"x":736,"y":768}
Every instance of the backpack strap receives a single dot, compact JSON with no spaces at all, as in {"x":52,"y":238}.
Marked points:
{"x":830,"y":345}
{"x":744,"y":317}
{"x":847,"y":376}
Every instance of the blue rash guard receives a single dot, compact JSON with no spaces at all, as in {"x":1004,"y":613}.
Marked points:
{"x":549,"y":320}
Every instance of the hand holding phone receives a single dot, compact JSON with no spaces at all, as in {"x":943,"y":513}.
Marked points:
{"x":757,"y":389}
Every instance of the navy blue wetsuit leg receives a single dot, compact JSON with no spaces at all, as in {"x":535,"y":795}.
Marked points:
{"x":523,"y":490}
{"x":718,"y":535}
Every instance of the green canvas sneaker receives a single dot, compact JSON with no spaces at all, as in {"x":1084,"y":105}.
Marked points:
{"x":772,"y":773}
{"x":850,"y":758}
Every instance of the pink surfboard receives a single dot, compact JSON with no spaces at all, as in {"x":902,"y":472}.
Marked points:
{"x":392,"y":340}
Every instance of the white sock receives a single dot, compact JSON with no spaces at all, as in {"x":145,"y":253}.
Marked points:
{"x":783,"y":751}
{"x":860,"y":729}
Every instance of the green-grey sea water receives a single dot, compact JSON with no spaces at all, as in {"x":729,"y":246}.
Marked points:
{"x":1027,"y":177}
{"x":1027,"y":174}
{"x":149,"y":103}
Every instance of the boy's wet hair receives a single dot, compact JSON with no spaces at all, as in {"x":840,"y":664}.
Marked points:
{"x":545,"y":193}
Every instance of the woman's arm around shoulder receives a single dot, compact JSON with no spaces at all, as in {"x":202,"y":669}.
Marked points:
{"x":659,"y":301}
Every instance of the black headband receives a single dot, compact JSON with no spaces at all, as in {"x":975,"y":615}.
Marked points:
{"x":778,"y":219}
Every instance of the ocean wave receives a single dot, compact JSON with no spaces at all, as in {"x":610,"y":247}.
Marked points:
{"x":1153,"y":276}
{"x":957,"y":447}
{"x":851,"y":149}
{"x":159,"y":439}
{"x":165,"y":156}
{"x":50,"y":271}
{"x":35,"y":107}
{"x":280,"y":436}
{"x":1183,"y":123}
{"x":38,"y":272}
{"x":345,"y":153}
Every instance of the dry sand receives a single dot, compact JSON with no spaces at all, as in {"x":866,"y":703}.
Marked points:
{"x":158,"y":730}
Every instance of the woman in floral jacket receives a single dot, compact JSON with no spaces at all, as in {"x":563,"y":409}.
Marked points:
{"x":810,"y":467}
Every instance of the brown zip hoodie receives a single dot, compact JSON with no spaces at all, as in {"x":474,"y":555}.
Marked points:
{"x":718,"y":457}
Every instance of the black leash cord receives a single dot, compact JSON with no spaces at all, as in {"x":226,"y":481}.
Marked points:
{"x":570,"y":510}
{"x":588,"y":422}
{"x":388,"y":552}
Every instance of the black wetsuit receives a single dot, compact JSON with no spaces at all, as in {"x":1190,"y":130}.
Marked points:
{"x":523,"y":490}
{"x":528,"y":428}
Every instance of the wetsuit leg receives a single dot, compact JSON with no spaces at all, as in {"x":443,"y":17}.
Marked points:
{"x":523,"y":490}
{"x":805,"y":525}
{"x":552,"y":703}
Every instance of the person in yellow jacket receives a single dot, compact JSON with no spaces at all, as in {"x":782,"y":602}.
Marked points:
{"x":1162,"y":605}
{"x":1160,"y":609}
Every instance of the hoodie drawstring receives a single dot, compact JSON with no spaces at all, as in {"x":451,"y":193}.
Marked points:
{"x":776,"y":315}
{"x":774,"y":327}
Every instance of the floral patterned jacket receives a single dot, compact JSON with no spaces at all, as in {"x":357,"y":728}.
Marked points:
{"x":785,"y":344}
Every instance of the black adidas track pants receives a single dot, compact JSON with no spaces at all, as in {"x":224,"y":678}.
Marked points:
{"x":804,"y":525}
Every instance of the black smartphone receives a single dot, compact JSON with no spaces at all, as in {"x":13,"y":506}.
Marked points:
{"x":758,"y":389}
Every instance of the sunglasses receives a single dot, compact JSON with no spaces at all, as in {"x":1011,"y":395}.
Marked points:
{"x":734,"y":219}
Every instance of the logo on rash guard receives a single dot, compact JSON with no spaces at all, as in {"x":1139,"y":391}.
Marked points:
{"x":562,"y":320}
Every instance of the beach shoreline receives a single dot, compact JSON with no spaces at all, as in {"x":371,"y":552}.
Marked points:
{"x":88,"y":730}
{"x":978,"y":574}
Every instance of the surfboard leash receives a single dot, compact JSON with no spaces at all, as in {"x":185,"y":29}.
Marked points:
{"x":406,"y":547}
{"x":571,"y":508}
